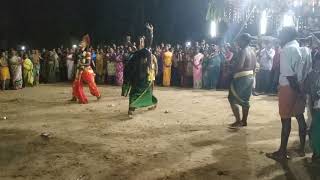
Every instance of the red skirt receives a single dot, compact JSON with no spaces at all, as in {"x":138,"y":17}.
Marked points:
{"x":85,"y":76}
{"x":291,"y":104}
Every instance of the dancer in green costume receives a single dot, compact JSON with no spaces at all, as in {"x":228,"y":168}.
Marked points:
{"x":139,"y":75}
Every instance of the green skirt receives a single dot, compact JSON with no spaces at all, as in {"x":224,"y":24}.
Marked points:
{"x":315,"y":133}
{"x":241,"y":90}
{"x":141,"y":95}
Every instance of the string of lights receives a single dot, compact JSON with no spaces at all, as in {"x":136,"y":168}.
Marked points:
{"x":272,"y":14}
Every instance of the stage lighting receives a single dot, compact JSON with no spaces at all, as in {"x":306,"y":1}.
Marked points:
{"x":23,"y":48}
{"x":188,"y":44}
{"x":263,"y":23}
{"x":288,"y":20}
{"x":213,"y":29}
{"x":74,"y":46}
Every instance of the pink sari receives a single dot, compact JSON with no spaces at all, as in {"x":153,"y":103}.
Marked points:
{"x":197,"y":71}
{"x":119,"y":70}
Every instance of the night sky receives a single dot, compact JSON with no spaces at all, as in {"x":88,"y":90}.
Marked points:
{"x":44,"y":23}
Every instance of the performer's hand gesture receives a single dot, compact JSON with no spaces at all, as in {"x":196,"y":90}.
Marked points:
{"x":149,"y":27}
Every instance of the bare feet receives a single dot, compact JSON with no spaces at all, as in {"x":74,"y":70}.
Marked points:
{"x":301,"y":152}
{"x":74,"y":99}
{"x":236,"y":124}
{"x":316,"y":159}
{"x":152,"y":108}
{"x":278,"y":156}
{"x":130,"y":113}
{"x":244,"y":123}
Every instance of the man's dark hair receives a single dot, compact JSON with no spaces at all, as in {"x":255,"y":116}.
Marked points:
{"x":290,"y":32}
{"x":246,"y":38}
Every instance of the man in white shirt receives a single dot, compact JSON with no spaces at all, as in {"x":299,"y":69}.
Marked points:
{"x":264,"y":75}
{"x":291,"y":99}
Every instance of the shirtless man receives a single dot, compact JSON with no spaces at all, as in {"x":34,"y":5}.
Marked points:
{"x":241,"y":85}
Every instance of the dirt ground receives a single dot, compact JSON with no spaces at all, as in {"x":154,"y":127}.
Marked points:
{"x":185,"y":138}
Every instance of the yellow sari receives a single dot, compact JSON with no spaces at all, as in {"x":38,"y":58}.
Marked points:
{"x":4,"y":70}
{"x":167,"y":63}
{"x":28,"y":72}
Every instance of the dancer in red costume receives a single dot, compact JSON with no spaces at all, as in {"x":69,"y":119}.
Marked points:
{"x":84,"y":74}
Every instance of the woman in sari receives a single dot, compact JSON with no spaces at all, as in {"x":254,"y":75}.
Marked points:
{"x":212,"y":73}
{"x":28,"y":71}
{"x":16,"y":70}
{"x":197,"y":70}
{"x":187,"y":77}
{"x":167,"y":63}
{"x":111,"y":67}
{"x":4,"y":72}
{"x":140,"y":72}
{"x":100,"y":70}
{"x":119,"y":69}
{"x":205,"y":75}
{"x":226,"y":74}
{"x":51,"y":67}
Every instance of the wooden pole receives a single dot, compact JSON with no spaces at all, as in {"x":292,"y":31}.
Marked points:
{"x":244,"y":23}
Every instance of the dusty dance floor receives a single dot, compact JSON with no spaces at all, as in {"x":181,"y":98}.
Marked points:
{"x":185,"y":138}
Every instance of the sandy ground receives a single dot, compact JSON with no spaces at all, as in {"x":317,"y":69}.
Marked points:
{"x":98,"y":142}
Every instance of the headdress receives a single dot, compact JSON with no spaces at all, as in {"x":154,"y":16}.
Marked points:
{"x":85,"y":41}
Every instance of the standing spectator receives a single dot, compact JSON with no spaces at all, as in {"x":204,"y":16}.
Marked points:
{"x":226,"y":66}
{"x":212,"y":66}
{"x":159,"y":54}
{"x":62,"y":65}
{"x":57,"y":60}
{"x":51,"y":68}
{"x":119,"y":68}
{"x":291,"y":99}
{"x":111,"y":67}
{"x":264,"y":75}
{"x":36,"y":66}
{"x":176,"y":78}
{"x":312,"y":87}
{"x":167,"y":63}
{"x":16,"y":70}
{"x":4,"y":72}
{"x":27,"y":71}
{"x":43,"y":66}
{"x":197,"y":69}
{"x":275,"y":70}
{"x":100,"y":68}
{"x":188,"y":69}
{"x":70,"y":64}
{"x":181,"y":66}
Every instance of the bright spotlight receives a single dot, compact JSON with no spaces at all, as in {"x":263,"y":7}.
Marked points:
{"x":263,"y":22}
{"x":188,"y":44}
{"x":23,"y":48}
{"x":74,"y":46}
{"x":213,"y":29}
{"x":288,"y":20}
